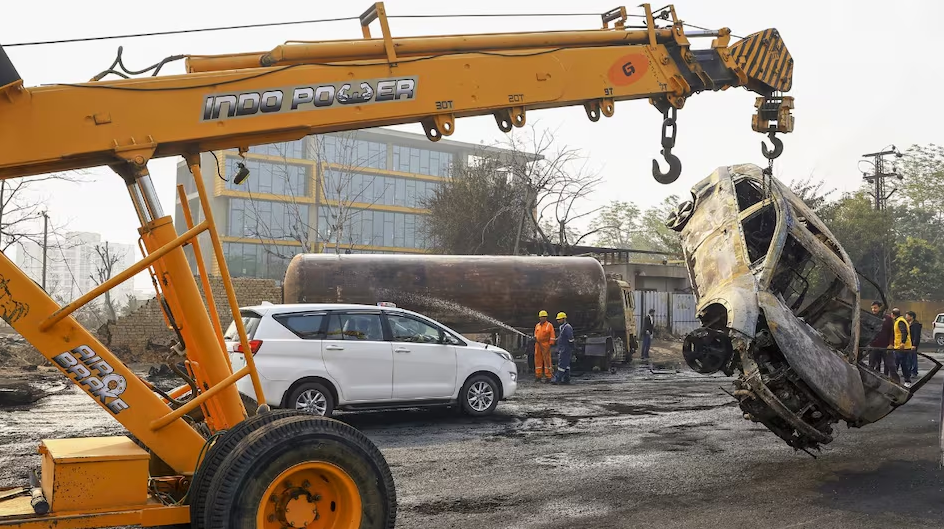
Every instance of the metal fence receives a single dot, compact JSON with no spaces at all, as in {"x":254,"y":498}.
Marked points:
{"x":675,"y":312}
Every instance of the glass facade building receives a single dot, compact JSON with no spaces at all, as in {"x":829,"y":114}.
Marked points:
{"x":352,"y":192}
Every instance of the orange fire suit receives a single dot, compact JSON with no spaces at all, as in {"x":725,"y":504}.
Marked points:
{"x":543,"y":338}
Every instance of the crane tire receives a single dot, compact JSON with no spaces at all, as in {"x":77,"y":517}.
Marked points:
{"x":299,"y":470}
{"x":215,"y":455}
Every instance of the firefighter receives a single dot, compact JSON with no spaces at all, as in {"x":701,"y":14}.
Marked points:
{"x":565,"y":350}
{"x":543,"y":338}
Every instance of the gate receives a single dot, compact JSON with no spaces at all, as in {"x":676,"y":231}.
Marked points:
{"x":675,"y":312}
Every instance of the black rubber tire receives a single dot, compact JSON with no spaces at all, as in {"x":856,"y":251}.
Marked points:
{"x":464,"y":396}
{"x":939,"y":339}
{"x":247,"y":472}
{"x":307,"y":386}
{"x":227,"y":442}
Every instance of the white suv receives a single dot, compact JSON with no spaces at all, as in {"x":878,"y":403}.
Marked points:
{"x":938,"y":331}
{"x":323,"y":357}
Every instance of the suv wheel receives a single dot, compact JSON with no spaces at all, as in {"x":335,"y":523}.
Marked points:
{"x":479,"y":395}
{"x":314,"y":398}
{"x":939,"y":339}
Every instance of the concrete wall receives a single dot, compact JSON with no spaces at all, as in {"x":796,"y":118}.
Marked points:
{"x":652,"y":276}
{"x":143,"y":336}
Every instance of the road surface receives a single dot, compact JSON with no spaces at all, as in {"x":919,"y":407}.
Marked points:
{"x":626,"y":450}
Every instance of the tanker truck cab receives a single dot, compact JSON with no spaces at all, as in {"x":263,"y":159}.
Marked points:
{"x":323,"y":357}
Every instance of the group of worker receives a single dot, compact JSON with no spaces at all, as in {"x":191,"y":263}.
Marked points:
{"x":896,"y":344}
{"x":544,"y":337}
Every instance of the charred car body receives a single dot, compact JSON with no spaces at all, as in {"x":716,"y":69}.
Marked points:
{"x":779,"y":304}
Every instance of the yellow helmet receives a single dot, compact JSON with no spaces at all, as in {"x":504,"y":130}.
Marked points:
{"x":561,"y":316}
{"x":543,"y":313}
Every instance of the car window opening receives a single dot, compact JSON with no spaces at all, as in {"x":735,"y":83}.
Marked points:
{"x":250,"y":323}
{"x":410,"y":330}
{"x":748,"y":193}
{"x":814,"y":293}
{"x":357,"y":327}
{"x":759,"y":232}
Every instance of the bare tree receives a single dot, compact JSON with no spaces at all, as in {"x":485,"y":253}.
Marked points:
{"x":22,"y":209}
{"x":543,"y":187}
{"x":104,"y":266}
{"x":347,"y":189}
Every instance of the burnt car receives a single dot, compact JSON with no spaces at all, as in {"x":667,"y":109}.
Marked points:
{"x":778,"y":300}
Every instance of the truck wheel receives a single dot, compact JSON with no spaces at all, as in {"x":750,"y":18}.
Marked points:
{"x":940,"y":340}
{"x":479,"y":396}
{"x":217,"y":452}
{"x":303,"y":471}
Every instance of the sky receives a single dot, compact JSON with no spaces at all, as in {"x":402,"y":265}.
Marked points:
{"x":860,"y":74}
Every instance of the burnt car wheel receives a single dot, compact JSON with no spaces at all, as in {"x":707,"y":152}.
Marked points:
{"x":679,"y":218}
{"x":707,"y":351}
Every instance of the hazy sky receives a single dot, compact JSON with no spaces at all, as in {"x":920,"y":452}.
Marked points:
{"x":864,"y":78}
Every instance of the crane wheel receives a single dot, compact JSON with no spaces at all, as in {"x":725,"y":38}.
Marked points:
{"x":303,"y":471}
{"x":217,"y":453}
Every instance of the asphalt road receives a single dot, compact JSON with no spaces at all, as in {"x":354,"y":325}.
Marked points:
{"x":626,"y":450}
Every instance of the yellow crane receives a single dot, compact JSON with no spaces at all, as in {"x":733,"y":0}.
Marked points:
{"x":280,"y":468}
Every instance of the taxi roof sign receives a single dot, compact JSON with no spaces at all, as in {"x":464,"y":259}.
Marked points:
{"x":387,"y":304}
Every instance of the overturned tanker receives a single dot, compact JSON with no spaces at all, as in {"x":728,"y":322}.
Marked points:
{"x":779,"y":305}
{"x":477,"y":294}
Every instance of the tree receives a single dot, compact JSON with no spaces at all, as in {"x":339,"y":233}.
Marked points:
{"x":132,"y":303}
{"x":923,"y":178}
{"x":918,"y":271}
{"x":544,"y":190}
{"x":477,"y":211}
{"x":104,"y":266}
{"x":653,"y":234}
{"x":810,"y":191}
{"x":617,"y":225}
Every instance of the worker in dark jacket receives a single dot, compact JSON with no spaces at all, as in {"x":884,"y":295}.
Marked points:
{"x":648,"y":327}
{"x":879,"y":352}
{"x":915,"y":328}
{"x":565,"y":350}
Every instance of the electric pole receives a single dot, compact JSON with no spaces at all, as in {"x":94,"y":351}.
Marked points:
{"x":881,"y":195}
{"x":45,"y":245}
{"x":878,"y":176}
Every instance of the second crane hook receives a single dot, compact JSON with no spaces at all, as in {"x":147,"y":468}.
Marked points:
{"x":778,"y":147}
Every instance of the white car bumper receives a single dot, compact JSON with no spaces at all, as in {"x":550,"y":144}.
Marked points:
{"x":509,"y":379}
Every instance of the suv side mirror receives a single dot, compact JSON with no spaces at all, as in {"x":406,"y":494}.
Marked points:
{"x":445,"y":339}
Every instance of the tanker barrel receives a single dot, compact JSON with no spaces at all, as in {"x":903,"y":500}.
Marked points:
{"x":467,"y":293}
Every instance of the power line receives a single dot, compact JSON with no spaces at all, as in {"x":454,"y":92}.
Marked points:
{"x":287,"y":23}
{"x":315,"y":21}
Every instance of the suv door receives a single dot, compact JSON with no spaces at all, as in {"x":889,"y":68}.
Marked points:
{"x":423,"y":367}
{"x":357,"y":356}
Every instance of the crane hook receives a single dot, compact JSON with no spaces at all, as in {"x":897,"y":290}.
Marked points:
{"x":669,"y":130}
{"x":778,"y":147}
{"x":675,"y":168}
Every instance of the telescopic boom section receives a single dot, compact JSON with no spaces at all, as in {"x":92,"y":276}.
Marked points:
{"x":296,"y":89}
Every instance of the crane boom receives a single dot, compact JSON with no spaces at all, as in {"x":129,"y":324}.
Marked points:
{"x":298,"y":89}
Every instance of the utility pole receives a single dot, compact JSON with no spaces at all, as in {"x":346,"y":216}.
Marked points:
{"x":45,"y":245}
{"x":878,"y":176}
{"x":881,"y":195}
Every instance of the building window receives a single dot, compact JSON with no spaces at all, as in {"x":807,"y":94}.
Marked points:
{"x":268,"y":261}
{"x":366,"y":227}
{"x":289,"y":149}
{"x":346,"y":187}
{"x":421,"y":161}
{"x":352,"y":153}
{"x":269,"y":177}
{"x":265,"y":219}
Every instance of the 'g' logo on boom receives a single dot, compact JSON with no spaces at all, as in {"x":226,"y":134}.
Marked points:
{"x":628,"y":69}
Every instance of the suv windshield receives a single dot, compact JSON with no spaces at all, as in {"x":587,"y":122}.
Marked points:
{"x":250,"y":322}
